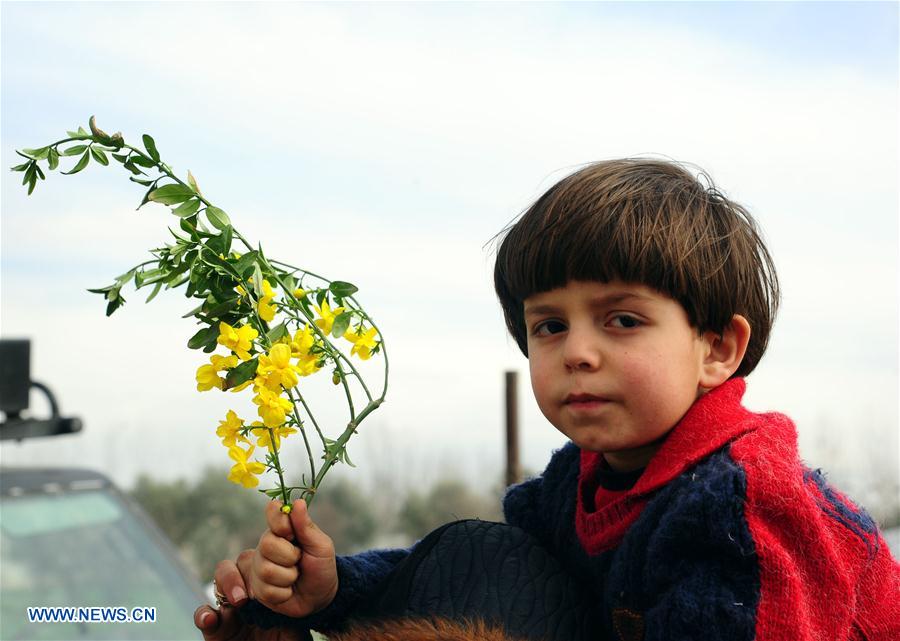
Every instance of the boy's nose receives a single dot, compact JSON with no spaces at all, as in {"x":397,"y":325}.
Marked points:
{"x":581,"y":352}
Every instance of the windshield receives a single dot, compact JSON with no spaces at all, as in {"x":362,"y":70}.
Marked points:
{"x":86,"y":549}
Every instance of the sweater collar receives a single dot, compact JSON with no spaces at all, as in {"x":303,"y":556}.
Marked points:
{"x":602,"y":517}
{"x":713,"y":420}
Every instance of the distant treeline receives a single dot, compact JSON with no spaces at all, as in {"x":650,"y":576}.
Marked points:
{"x":213,"y":519}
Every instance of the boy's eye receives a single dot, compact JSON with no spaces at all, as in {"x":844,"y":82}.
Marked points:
{"x":548,"y":327}
{"x":624,"y":321}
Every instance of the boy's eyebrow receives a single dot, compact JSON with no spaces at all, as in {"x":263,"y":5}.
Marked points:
{"x":600,"y":301}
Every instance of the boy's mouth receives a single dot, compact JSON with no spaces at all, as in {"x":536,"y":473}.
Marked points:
{"x":584,"y":400}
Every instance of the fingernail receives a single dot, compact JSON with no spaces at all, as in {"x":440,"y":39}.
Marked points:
{"x":204,"y":618}
{"x":238,"y":594}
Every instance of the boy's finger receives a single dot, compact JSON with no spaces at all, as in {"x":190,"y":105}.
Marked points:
{"x":229,"y":581}
{"x":312,"y":540}
{"x":278,"y":521}
{"x":279,"y":551}
{"x":244,"y":562}
{"x":271,"y":574}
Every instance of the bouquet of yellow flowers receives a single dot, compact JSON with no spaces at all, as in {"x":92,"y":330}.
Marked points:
{"x":272,"y":323}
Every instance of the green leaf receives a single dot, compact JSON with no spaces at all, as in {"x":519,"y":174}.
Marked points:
{"x":37,"y":154}
{"x":155,"y":291}
{"x":120,"y":157}
{"x":257,"y":280}
{"x":145,"y":183}
{"x":100,"y":156}
{"x":341,"y":324}
{"x":220,"y":245}
{"x":277,"y":333}
{"x":194,"y":312}
{"x":138,"y":159}
{"x":240,"y":374}
{"x":188,"y":225}
{"x":343,"y":456}
{"x":146,"y":198}
{"x":245,"y":263}
{"x":146,"y":277}
{"x":342,"y":289}
{"x":193,"y":182}
{"x":130,"y":167}
{"x":223,"y":308}
{"x":202,"y":337}
{"x":74,"y":151}
{"x":115,"y":300}
{"x":81,"y":164}
{"x":81,"y":134}
{"x":29,"y":173}
{"x":31,"y":184}
{"x":101,"y":290}
{"x":188,"y":208}
{"x":290,"y":283}
{"x":226,"y":235}
{"x":22,"y":167}
{"x":150,"y":146}
{"x":218,"y":218}
{"x":170,"y":194}
{"x":40,"y":173}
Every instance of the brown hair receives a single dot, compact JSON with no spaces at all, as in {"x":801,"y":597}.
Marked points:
{"x":643,"y":221}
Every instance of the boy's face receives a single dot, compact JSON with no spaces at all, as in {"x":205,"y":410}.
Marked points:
{"x":614,"y":366}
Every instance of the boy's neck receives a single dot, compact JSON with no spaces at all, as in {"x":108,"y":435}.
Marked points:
{"x":633,"y":459}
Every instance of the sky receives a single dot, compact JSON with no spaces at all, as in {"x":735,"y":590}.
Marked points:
{"x":386,"y":145}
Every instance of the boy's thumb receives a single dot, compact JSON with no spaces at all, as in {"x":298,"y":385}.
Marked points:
{"x":309,"y":537}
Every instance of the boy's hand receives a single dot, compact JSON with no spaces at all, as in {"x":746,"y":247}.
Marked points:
{"x":295,"y":581}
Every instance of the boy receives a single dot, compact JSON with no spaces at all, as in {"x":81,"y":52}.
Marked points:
{"x":642,"y":299}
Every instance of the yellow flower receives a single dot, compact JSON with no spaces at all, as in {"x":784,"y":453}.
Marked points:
{"x":308,"y":364}
{"x":363,"y":342}
{"x":239,"y":340}
{"x":266,"y":309}
{"x":262,"y":435}
{"x":229,"y":430}
{"x":327,"y":316}
{"x":299,"y":293}
{"x":276,"y":366}
{"x":208,"y":375}
{"x":272,"y":408}
{"x":270,"y":381}
{"x":244,"y":471}
{"x":303,"y":341}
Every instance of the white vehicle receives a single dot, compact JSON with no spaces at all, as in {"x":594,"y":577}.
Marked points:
{"x":75,"y":549}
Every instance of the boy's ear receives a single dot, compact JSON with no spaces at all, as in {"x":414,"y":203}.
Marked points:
{"x":725,"y":352}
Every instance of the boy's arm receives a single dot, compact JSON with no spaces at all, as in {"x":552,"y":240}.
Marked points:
{"x":544,"y":506}
{"x":295,"y":578}
{"x":358,"y":575}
